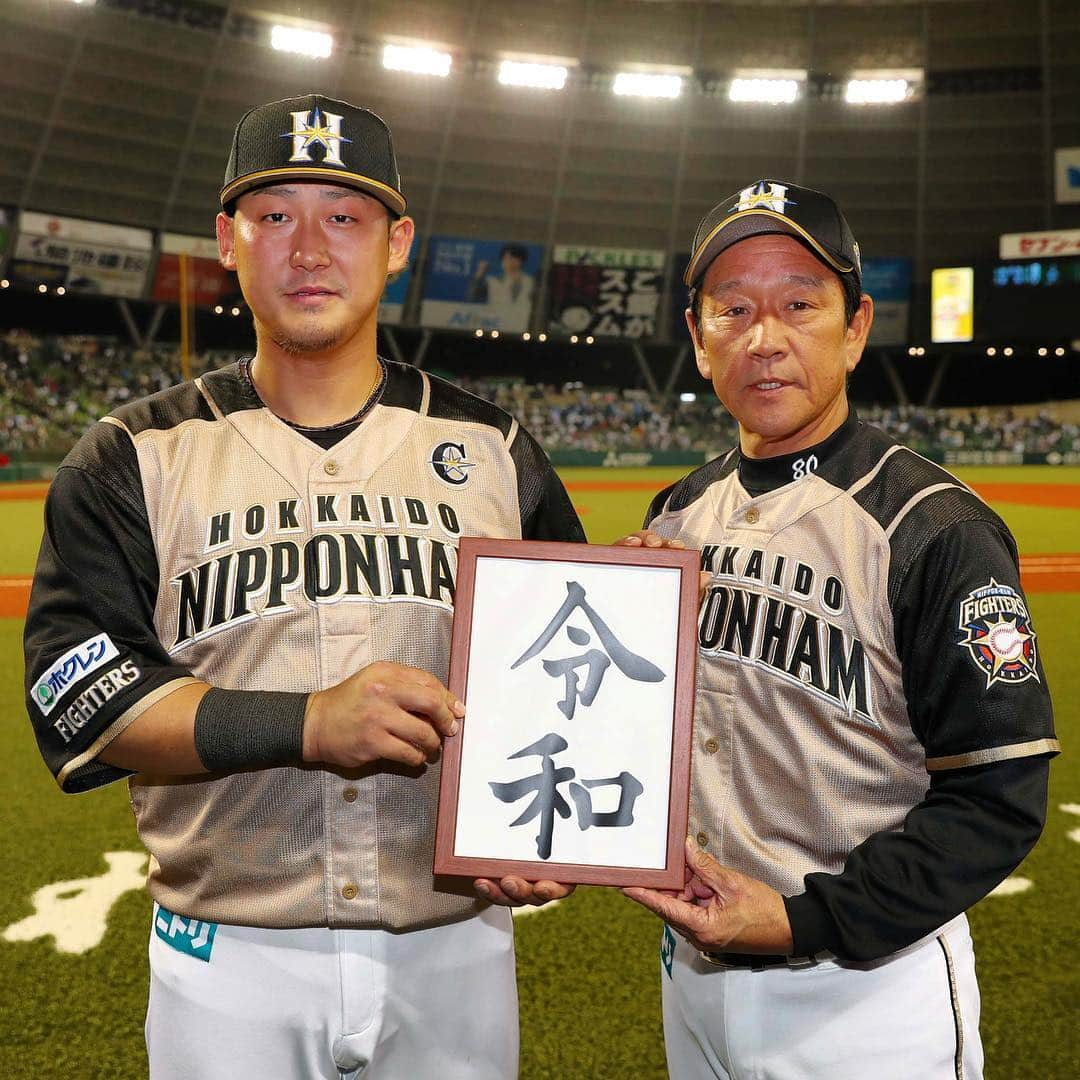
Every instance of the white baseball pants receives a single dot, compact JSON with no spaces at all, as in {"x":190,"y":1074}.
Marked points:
{"x":913,"y":1014}
{"x":334,"y":1004}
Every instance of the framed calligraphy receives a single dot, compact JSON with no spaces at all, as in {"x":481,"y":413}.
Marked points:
{"x":576,"y":665}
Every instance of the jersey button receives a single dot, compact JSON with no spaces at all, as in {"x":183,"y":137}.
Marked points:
{"x":703,"y":839}
{"x":712,"y":745}
{"x":349,"y":891}
{"x":753,"y":516}
{"x":331,"y":468}
{"x":350,"y":794}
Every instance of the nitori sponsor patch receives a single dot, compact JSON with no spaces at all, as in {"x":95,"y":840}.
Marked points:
{"x":667,"y":949}
{"x":191,"y":936}
{"x":998,"y":634}
{"x":74,"y":665}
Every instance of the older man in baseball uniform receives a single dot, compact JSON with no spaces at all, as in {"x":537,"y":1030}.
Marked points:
{"x":243,"y":604}
{"x":872,"y":728}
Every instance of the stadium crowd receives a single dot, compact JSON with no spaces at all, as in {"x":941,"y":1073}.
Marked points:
{"x":52,"y":388}
{"x":576,"y":417}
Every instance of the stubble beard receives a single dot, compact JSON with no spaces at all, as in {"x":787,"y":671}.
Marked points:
{"x":317,"y":340}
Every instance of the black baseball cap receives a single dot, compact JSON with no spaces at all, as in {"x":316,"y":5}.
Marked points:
{"x":313,"y":137}
{"x":775,"y":206}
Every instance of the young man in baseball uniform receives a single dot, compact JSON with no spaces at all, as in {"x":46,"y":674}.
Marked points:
{"x":872,"y":728}
{"x":243,"y":604}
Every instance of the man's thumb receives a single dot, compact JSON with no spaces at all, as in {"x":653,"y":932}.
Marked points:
{"x":699,"y":858}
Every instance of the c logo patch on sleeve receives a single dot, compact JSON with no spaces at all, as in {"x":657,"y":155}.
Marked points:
{"x":667,"y":949}
{"x":189,"y":936}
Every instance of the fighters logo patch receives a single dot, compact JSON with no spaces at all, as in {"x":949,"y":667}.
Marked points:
{"x":189,"y":936}
{"x":997,"y":631}
{"x":76,"y":663}
{"x":451,"y":463}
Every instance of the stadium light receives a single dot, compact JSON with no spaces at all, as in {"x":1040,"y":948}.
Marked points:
{"x":589,"y":340}
{"x":494,"y":334}
{"x":536,"y":75}
{"x":1007,"y":351}
{"x":526,"y":336}
{"x":779,"y":86}
{"x":4,"y":284}
{"x":541,"y":337}
{"x":295,"y":39}
{"x":218,"y":309}
{"x":416,"y":59}
{"x":1043,"y":350}
{"x":60,"y":290}
{"x":764,"y":91}
{"x":1059,"y":351}
{"x":688,"y":397}
{"x":648,"y":84}
{"x":236,"y":311}
{"x":573,"y":339}
{"x":991,"y":351}
{"x":885,"y":87}
{"x":43,"y":288}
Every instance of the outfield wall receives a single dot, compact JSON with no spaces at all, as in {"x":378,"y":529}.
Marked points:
{"x":622,"y":459}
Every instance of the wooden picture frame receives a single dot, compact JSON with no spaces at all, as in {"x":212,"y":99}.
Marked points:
{"x":527,"y":783}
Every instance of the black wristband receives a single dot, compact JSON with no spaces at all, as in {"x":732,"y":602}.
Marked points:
{"x":249,"y":729}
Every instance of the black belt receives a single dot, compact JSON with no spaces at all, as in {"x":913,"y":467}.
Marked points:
{"x":756,"y":962}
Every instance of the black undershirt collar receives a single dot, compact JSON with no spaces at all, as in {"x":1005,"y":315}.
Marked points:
{"x":759,"y":475}
{"x":331,"y":434}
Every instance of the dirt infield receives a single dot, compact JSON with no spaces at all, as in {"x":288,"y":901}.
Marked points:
{"x":15,"y":492}
{"x":14,"y":596}
{"x":1066,"y":496}
{"x":1063,"y":496}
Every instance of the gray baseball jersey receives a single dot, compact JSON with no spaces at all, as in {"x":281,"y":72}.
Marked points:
{"x":865,"y":643}
{"x":195,"y":535}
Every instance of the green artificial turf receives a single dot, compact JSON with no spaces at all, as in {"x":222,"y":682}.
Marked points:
{"x":20,"y":535}
{"x":1025,"y":944}
{"x":588,"y":970}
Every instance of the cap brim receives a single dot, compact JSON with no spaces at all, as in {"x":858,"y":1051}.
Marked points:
{"x":748,"y":223}
{"x":388,"y":196}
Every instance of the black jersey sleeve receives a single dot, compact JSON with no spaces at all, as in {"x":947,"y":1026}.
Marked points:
{"x":978,"y":702}
{"x":93,"y":660}
{"x":971,"y":663}
{"x":970,"y":832}
{"x":546,"y":510}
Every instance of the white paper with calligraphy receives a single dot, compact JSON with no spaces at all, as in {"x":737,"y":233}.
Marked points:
{"x":567,"y":736}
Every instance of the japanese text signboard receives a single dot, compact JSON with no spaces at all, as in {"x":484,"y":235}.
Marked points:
{"x":605,"y":291}
{"x":1040,"y":245}
{"x":84,"y":256}
{"x":573,"y":759}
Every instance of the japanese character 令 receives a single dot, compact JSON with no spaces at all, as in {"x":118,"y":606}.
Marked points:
{"x":629,"y":663}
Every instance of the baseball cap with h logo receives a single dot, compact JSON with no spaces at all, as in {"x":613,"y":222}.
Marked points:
{"x":775,"y":206}
{"x":313,"y":137}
